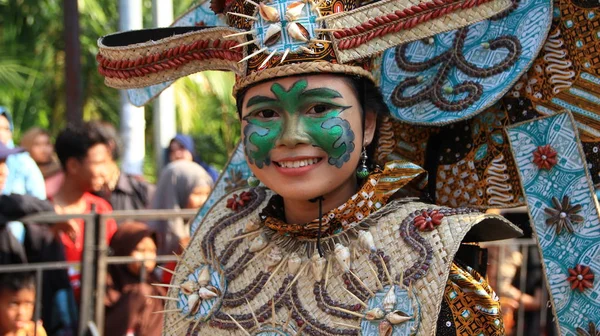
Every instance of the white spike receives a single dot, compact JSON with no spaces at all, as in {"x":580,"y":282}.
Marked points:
{"x":362,"y":283}
{"x":239,"y":325}
{"x":326,"y":30}
{"x":268,"y":58}
{"x":347,"y":325}
{"x":240,"y":34}
{"x":167,"y":311}
{"x":356,"y":298}
{"x":253,"y":54}
{"x":285,"y":53}
{"x":166,"y":270}
{"x":252,"y":312}
{"x":162,"y":297}
{"x":165,"y":285}
{"x":252,"y":3}
{"x":321,"y":18}
{"x":243,"y":16}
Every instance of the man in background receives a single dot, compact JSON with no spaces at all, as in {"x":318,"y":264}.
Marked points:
{"x":84,"y":154}
{"x":121,"y":190}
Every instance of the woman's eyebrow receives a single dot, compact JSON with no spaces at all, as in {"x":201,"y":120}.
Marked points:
{"x":321,"y":93}
{"x":259,"y":100}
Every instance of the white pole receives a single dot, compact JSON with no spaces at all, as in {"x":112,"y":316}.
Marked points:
{"x":133,"y":123}
{"x":164,"y":105}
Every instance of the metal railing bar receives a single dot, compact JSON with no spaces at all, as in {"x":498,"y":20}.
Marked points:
{"x":128,"y":259}
{"x":51,"y":217}
{"x":43,"y":266}
{"x":55,"y":265}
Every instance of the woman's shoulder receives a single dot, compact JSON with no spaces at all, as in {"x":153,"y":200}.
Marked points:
{"x":462,"y":224}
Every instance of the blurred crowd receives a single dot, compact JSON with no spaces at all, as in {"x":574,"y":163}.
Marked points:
{"x":72,"y":174}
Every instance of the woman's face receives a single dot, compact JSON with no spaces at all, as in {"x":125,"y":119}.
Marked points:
{"x":198,"y":196}
{"x":303,"y":135}
{"x":145,"y":249}
{"x":41,"y":149}
{"x":178,"y":152}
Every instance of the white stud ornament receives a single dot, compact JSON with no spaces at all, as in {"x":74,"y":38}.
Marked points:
{"x":268,"y":13}
{"x":397,"y":317}
{"x":294,"y":10}
{"x":258,"y":243}
{"x":294,"y":263}
{"x":273,"y":257}
{"x":297,"y":32}
{"x":374,"y":314}
{"x":252,"y":225}
{"x":366,"y":241}
{"x":206,"y":293}
{"x":389,"y":301}
{"x":204,"y":277}
{"x":317,"y":266}
{"x":342,"y":255}
{"x":188,"y":287}
{"x":194,"y":303}
{"x":273,"y":34}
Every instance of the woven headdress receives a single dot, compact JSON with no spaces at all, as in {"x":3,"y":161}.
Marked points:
{"x":263,"y":40}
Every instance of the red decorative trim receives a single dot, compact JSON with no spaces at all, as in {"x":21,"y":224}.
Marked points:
{"x":400,"y":20}
{"x":171,"y":58}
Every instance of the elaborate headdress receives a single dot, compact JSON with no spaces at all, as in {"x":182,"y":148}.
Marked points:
{"x":457,"y":76}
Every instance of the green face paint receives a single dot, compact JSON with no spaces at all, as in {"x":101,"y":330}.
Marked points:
{"x":291,"y":114}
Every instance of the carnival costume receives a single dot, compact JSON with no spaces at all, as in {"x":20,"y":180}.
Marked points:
{"x":492,"y":97}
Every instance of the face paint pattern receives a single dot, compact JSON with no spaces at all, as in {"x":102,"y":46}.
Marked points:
{"x":325,"y":130}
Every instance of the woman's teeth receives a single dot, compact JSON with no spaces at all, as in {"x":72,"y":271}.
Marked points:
{"x":297,"y":164}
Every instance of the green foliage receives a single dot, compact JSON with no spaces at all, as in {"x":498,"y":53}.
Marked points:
{"x":32,"y":71}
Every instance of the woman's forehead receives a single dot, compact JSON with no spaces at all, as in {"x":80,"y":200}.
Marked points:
{"x":335,"y":82}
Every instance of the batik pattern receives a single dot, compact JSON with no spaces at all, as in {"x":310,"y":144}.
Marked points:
{"x":469,"y":164}
{"x":455,"y":75}
{"x":557,"y":193}
{"x":466,"y":293}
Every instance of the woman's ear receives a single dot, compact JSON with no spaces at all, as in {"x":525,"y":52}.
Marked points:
{"x":370,"y":126}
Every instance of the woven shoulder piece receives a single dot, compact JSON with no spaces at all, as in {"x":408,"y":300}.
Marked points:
{"x":389,"y":271}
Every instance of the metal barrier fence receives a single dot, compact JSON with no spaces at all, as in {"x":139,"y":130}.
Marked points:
{"x":95,"y":261}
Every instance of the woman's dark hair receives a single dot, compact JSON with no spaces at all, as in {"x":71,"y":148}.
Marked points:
{"x":369,"y":97}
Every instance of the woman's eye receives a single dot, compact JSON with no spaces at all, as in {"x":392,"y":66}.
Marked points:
{"x":267,"y":114}
{"x":320,"y":108}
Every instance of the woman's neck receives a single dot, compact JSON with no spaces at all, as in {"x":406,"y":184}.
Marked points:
{"x":304,"y":211}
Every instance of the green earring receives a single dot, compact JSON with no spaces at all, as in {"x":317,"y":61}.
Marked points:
{"x":253,"y":181}
{"x":362,"y":172}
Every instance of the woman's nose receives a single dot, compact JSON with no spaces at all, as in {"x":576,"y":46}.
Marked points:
{"x":293,"y":133}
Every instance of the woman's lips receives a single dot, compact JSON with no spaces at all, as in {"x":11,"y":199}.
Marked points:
{"x":297,"y":166}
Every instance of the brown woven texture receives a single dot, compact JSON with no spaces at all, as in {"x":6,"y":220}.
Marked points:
{"x":451,"y":21}
{"x":140,"y":50}
{"x":300,"y":69}
{"x":429,"y":290}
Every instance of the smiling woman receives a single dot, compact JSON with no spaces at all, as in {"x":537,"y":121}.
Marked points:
{"x":341,"y":237}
